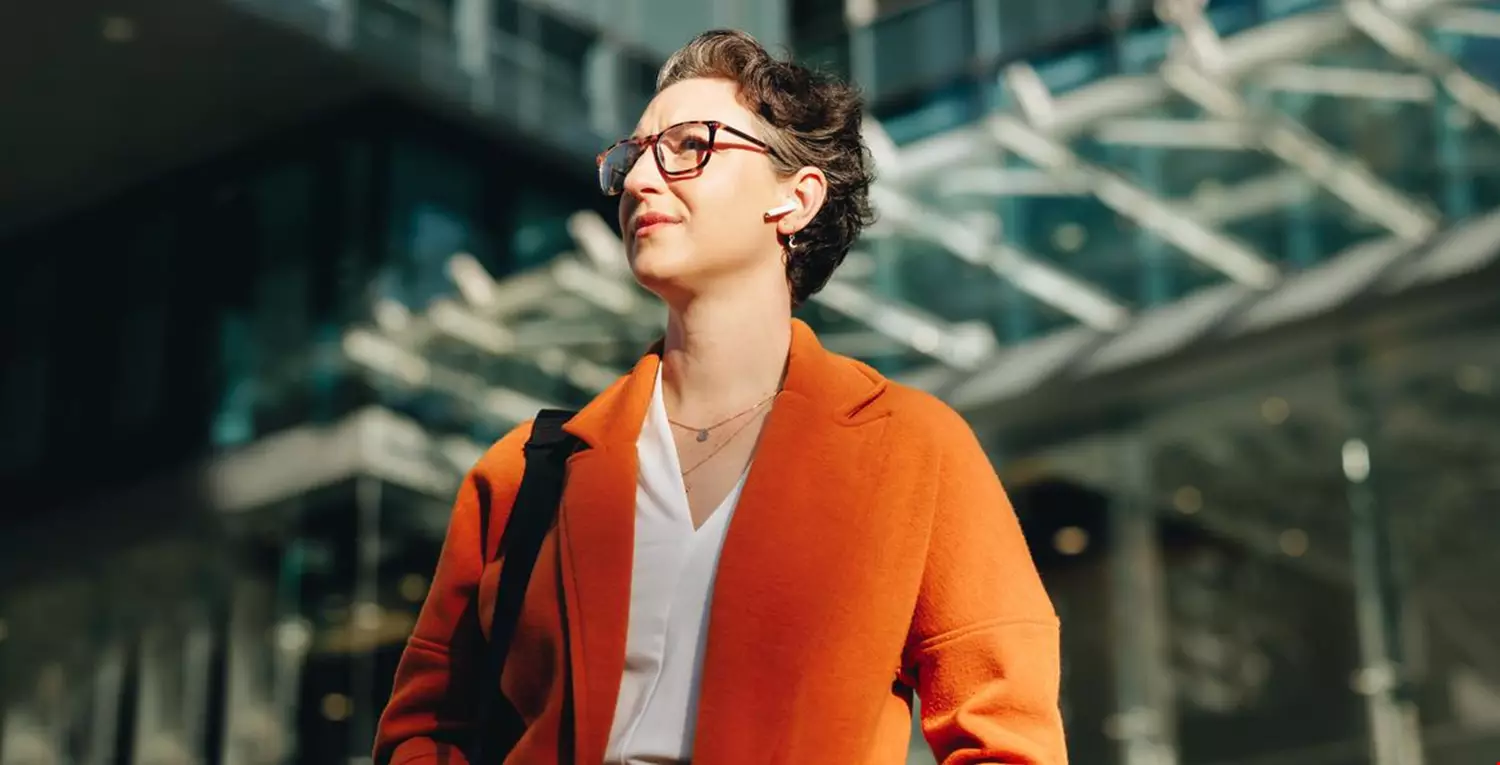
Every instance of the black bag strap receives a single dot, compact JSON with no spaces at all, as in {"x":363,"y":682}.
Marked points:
{"x":531,"y":516}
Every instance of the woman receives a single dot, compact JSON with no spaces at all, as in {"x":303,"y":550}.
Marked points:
{"x":763,"y":548}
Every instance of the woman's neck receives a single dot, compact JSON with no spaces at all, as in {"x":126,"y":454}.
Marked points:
{"x":723,"y":354}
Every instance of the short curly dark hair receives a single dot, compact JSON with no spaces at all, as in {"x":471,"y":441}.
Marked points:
{"x":809,"y":119}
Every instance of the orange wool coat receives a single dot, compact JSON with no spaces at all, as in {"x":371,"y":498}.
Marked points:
{"x":873,"y":553}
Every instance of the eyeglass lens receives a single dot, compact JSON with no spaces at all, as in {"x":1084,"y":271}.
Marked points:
{"x":680,"y":149}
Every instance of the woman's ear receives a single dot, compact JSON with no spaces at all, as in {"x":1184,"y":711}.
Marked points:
{"x":807,"y":188}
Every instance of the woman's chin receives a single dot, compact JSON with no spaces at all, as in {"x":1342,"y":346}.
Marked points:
{"x":657,"y":270}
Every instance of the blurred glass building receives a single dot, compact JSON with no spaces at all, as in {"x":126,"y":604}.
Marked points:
{"x":1212,"y":281}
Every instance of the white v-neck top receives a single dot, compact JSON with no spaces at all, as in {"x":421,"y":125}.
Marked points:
{"x":670,"y":586}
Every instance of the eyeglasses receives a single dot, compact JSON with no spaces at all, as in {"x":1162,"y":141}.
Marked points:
{"x":682,"y":149}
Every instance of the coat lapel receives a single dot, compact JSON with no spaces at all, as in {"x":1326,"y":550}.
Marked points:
{"x":821,"y":451}
{"x":597,"y":533}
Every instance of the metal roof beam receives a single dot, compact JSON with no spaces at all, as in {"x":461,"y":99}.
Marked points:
{"x":1069,"y":294}
{"x":1042,"y":281}
{"x":387,"y":358}
{"x":1194,"y":72}
{"x":1202,"y":242}
{"x":1305,"y":34}
{"x":1392,"y":32}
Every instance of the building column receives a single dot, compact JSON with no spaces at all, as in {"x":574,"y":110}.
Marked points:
{"x":343,"y":19}
{"x":256,"y":732}
{"x":473,"y":22}
{"x":603,"y":86}
{"x":1383,"y":677}
{"x":175,"y":662}
{"x":368,"y":498}
{"x":858,"y":16}
{"x":988,"y":21}
{"x":860,"y":13}
{"x":104,"y":717}
{"x":530,"y":90}
{"x":1145,"y":719}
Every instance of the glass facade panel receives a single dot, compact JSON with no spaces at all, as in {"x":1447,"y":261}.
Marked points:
{"x":527,"y":66}
{"x":26,"y":374}
{"x":1323,"y":567}
{"x":1259,"y":585}
{"x":217,"y":301}
{"x":1430,"y":412}
{"x":1151,"y":161}
{"x":922,"y":47}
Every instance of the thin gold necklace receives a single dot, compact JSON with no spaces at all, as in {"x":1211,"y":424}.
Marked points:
{"x":703,"y":433}
{"x":687,"y":485}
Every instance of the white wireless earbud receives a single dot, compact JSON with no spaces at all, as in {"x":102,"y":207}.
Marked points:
{"x":777,"y":212}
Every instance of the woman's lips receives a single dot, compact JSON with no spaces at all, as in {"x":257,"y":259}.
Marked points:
{"x":645,"y":229}
{"x":650,"y":222}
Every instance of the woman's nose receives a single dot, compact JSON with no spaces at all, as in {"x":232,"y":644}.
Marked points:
{"x":644,"y":176}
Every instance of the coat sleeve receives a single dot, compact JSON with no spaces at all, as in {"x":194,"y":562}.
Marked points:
{"x":430,"y":713}
{"x":985,"y":640}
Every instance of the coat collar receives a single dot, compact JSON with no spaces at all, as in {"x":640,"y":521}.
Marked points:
{"x":830,"y":383}
{"x":825,"y":399}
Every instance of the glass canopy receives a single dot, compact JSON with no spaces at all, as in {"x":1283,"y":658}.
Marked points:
{"x":1142,"y":190}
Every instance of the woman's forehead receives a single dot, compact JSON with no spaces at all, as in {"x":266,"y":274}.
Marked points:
{"x":694,"y":99}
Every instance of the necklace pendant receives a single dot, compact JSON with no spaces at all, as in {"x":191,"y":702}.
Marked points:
{"x":702,"y":436}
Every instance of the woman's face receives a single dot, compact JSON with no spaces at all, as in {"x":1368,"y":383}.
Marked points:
{"x":707,"y":230}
